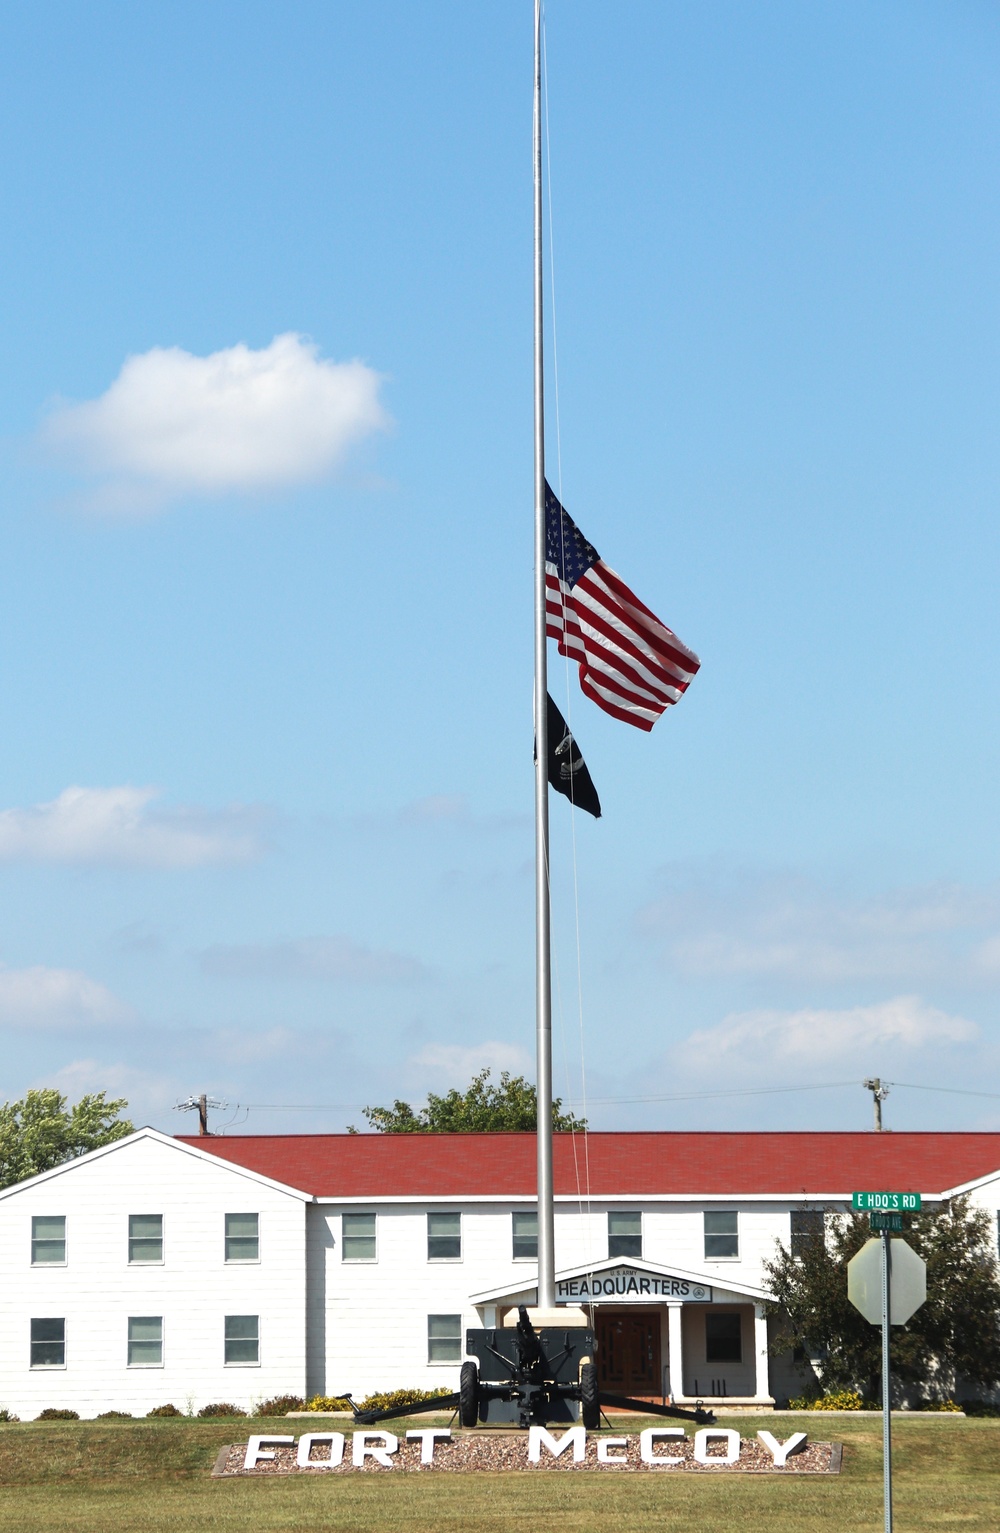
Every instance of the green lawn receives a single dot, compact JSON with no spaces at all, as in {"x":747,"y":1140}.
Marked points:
{"x":97,"y":1477}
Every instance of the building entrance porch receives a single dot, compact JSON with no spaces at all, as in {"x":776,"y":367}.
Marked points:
{"x":683,"y":1353}
{"x":661,"y":1333}
{"x":628,"y":1352}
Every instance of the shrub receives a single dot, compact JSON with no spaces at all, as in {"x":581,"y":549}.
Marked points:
{"x":393,"y":1397}
{"x":220,"y":1410}
{"x":840,"y":1400}
{"x":280,"y":1405}
{"x":164,"y":1410}
{"x":6,"y":1415}
{"x":50,"y":1413}
{"x":980,"y":1408}
{"x":115,"y":1416}
{"x":939,"y":1405}
{"x":379,"y":1401}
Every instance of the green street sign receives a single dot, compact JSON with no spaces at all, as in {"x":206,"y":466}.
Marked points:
{"x":886,"y":1202}
{"x":879,"y":1222}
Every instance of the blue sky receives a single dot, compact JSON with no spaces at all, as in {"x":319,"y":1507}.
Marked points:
{"x":265,"y":571}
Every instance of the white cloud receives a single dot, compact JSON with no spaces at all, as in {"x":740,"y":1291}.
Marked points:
{"x":174,"y":424}
{"x":118,"y":825}
{"x":766,"y":1040}
{"x":82,"y":1077}
{"x":785,"y":928}
{"x":455,"y":1064}
{"x":324,"y":958}
{"x":55,"y":998}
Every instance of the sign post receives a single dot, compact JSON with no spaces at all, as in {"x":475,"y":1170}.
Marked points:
{"x":886,"y":1394}
{"x":887,"y":1282}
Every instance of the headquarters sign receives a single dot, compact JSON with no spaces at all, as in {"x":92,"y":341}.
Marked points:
{"x":631,"y":1285}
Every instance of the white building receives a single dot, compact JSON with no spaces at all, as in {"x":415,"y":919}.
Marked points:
{"x":232,"y":1269}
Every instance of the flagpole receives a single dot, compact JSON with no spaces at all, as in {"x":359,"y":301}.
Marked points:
{"x":543,"y":979}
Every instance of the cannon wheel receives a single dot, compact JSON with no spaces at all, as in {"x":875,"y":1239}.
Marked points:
{"x":590,"y":1400}
{"x":468,"y":1390}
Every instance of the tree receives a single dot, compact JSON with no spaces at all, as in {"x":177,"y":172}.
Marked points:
{"x":39,"y":1132}
{"x":484,"y":1108}
{"x":953,"y":1340}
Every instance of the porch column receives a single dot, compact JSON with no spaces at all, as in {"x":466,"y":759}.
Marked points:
{"x":763,"y":1391}
{"x":675,"y":1357}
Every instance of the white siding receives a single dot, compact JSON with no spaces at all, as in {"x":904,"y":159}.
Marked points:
{"x":193,"y":1290}
{"x":368,"y":1320}
{"x":326,"y":1325}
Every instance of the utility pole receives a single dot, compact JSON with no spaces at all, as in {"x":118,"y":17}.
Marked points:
{"x":200,"y":1105}
{"x":879,"y":1093}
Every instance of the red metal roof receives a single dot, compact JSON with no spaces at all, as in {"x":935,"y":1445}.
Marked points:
{"x":503,"y":1165}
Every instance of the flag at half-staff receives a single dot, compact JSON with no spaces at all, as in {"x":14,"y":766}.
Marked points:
{"x":567,"y":770}
{"x":631,"y":665}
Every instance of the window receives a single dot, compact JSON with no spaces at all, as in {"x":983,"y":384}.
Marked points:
{"x":359,"y":1238}
{"x":624,"y":1234}
{"x":526,"y":1237}
{"x":48,"y":1344}
{"x":444,"y":1338}
{"x":242,"y":1339}
{"x":242,"y":1237}
{"x":723,"y":1338}
{"x":721,"y":1236}
{"x":145,"y":1237}
{"x":807,"y":1225}
{"x":145,"y":1341}
{"x":444,"y":1237}
{"x":48,"y":1240}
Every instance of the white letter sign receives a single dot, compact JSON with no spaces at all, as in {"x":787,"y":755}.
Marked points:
{"x":575,"y":1437}
{"x":255,"y":1453}
{"x":377,"y":1450}
{"x":605,"y":1443}
{"x":648,"y":1438}
{"x":732,"y":1440}
{"x":336,"y":1441}
{"x":780,"y":1451}
{"x":427,"y":1436}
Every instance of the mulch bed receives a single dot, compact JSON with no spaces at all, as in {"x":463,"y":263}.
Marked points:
{"x":481,"y":1451}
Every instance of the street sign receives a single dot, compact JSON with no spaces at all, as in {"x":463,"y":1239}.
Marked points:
{"x":878,"y":1223}
{"x":886,"y":1202}
{"x":887,"y":1282}
{"x":907,"y":1282}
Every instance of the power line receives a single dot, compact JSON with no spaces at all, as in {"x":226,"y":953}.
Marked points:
{"x":677,"y":1096}
{"x":955,"y":1091}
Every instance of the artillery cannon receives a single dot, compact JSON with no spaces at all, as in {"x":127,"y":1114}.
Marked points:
{"x":528,"y":1377}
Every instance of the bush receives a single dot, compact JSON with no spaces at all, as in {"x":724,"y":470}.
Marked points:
{"x":280,"y":1405}
{"x":393,"y":1397}
{"x":840,"y":1400}
{"x":163,"y":1410}
{"x":980,"y":1408}
{"x":380,"y":1401}
{"x":939,"y":1405}
{"x":6,"y":1415}
{"x":115,"y":1416}
{"x":50,"y":1413}
{"x":220,"y":1410}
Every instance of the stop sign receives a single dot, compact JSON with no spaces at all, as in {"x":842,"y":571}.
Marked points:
{"x":907,"y":1281}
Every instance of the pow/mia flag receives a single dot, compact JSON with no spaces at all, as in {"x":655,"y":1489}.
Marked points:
{"x":567,"y":770}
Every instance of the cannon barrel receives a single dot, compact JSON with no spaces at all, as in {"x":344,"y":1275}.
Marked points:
{"x":529,"y":1346}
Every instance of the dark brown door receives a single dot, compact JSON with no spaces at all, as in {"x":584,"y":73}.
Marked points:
{"x":628,"y":1353}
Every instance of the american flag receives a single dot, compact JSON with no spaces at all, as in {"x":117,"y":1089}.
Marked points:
{"x":631,"y":664}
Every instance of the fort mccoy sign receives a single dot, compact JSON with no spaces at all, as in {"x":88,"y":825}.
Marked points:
{"x":630,"y":1285}
{"x":656,"y":1450}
